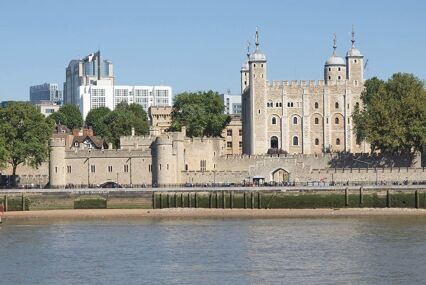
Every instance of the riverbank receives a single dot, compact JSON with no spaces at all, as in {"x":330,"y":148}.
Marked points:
{"x":209,"y":213}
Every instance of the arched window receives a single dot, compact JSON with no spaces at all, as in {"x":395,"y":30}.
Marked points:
{"x":295,"y":120}
{"x":316,"y":105}
{"x":337,"y":141}
{"x":274,"y":121}
{"x":316,"y":141}
{"x":295,"y":141}
{"x":316,"y":121}
{"x":336,"y":105}
{"x":336,"y":121}
{"x":274,"y":142}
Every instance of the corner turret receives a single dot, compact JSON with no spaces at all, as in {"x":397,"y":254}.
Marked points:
{"x":335,"y":66}
{"x":355,"y":63}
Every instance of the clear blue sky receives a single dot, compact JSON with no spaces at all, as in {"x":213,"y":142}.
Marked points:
{"x":199,"y":45}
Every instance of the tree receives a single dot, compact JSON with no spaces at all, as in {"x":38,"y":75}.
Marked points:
{"x":25,"y":132}
{"x":68,"y":115}
{"x":201,"y":112}
{"x":3,"y":153}
{"x":122,"y":119}
{"x":96,"y":119}
{"x":394,"y":116}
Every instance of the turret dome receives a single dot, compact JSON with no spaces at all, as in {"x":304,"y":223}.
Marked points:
{"x":335,"y":60}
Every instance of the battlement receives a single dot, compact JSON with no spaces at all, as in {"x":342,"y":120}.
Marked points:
{"x":203,"y":140}
{"x":107,"y":153}
{"x":57,"y":142}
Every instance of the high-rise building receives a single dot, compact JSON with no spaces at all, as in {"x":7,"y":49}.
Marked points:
{"x":91,"y":70}
{"x":90,"y":84}
{"x":232,"y":103}
{"x":45,"y":92}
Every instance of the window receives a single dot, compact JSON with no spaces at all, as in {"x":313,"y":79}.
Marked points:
{"x":339,"y":77}
{"x":240,"y":144}
{"x":56,"y":169}
{"x":274,"y":142}
{"x":68,"y":168}
{"x":295,"y":120}
{"x":339,"y":70}
{"x":109,"y":168}
{"x":240,"y":132}
{"x":316,"y":105}
{"x":355,"y":61}
{"x":203,"y":165}
{"x":274,"y":121}
{"x":316,"y":141}
{"x":280,"y":104}
{"x":336,"y":105}
{"x":329,"y":69}
{"x":316,"y":121}
{"x":295,"y":141}
{"x":126,"y":168}
{"x":229,"y":132}
{"x":149,"y":167}
{"x":337,"y":141}
{"x":92,"y":168}
{"x":186,"y":167}
{"x":261,"y":65}
{"x":336,"y":121}
{"x":229,"y":144}
{"x":329,"y":78}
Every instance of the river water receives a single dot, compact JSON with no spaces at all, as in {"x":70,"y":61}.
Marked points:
{"x":373,"y":250}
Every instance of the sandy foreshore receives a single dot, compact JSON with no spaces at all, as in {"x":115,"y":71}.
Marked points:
{"x":210,"y":213}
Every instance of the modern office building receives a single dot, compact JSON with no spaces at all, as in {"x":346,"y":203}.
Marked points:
{"x":47,"y":107}
{"x":45,"y":92}
{"x":90,"y":84}
{"x":232,"y":103}
{"x":91,"y":70}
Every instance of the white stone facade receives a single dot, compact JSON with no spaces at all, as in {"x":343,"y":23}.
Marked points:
{"x":307,"y":117}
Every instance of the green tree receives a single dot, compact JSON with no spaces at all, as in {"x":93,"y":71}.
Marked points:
{"x":25,"y":132}
{"x":96,"y":119}
{"x":122,"y":119}
{"x":68,"y":115}
{"x":3,"y":154}
{"x":393,"y":119}
{"x":201,"y":112}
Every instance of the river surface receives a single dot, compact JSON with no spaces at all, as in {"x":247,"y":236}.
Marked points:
{"x":373,"y":250}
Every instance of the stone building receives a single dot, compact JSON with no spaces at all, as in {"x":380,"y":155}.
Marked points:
{"x":307,"y":117}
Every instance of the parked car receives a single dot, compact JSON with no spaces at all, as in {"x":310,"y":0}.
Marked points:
{"x":110,"y":184}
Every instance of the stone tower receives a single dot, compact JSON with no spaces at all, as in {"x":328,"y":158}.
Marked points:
{"x":164,"y":162}
{"x":255,"y":123}
{"x":57,"y":162}
{"x":355,"y":63}
{"x":335,"y":67}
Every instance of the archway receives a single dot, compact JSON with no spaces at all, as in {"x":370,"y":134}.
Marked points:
{"x":280,"y":175}
{"x":274,"y":142}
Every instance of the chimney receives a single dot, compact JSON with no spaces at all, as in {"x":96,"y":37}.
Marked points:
{"x":88,"y":131}
{"x":75,"y":132}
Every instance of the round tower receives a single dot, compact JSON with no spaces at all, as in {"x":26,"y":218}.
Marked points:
{"x":164,"y":162}
{"x":245,"y":72}
{"x":335,"y":67}
{"x":57,"y":163}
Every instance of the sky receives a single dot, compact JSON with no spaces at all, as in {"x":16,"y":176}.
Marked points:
{"x":195,"y":45}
